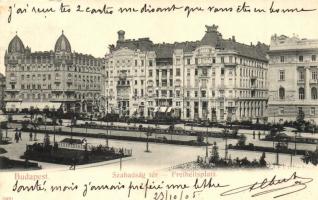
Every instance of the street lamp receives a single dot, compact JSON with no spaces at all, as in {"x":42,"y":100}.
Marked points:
{"x":148,"y":133}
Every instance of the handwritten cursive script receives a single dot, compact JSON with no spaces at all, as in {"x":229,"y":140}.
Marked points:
{"x":283,"y":186}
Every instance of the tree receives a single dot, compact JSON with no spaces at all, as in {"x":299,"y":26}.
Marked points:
{"x":262,"y":160}
{"x":200,"y":138}
{"x":46,"y":140}
{"x":300,"y":120}
{"x":241,"y":141}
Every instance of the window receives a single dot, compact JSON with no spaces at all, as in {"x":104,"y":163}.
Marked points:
{"x":231,"y":59}
{"x":178,"y":72}
{"x":301,"y":93}
{"x":178,"y":61}
{"x":222,"y":71}
{"x":281,"y":110}
{"x":196,"y":72}
{"x":142,"y":63}
{"x":196,"y":61}
{"x":281,"y":93}
{"x":150,"y":63}
{"x":188,"y":61}
{"x":178,"y":93}
{"x":301,"y":75}
{"x":301,"y":58}
{"x":213,"y":60}
{"x":222,"y":59}
{"x":150,"y":73}
{"x":195,"y":93}
{"x":314,"y":75}
{"x":282,"y":59}
{"x":281,"y":75}
{"x":314,"y":93}
{"x":188,"y":72}
{"x":203,"y":93}
{"x":312,"y":111}
{"x":313,"y":57}
{"x":188,"y":93}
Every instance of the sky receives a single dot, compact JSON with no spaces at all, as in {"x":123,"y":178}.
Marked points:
{"x":91,"y":34}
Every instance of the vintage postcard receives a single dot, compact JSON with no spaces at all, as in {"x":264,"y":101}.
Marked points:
{"x":158,"y":99}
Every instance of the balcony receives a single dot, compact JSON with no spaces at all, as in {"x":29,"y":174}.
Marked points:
{"x":221,"y":87}
{"x":123,"y":85}
{"x":13,"y":79}
{"x":253,"y":77}
{"x":57,"y":90}
{"x":122,"y":76}
{"x":203,"y":75}
{"x":301,"y":81}
{"x":57,"y":80}
{"x":69,"y":90}
{"x":12,"y":90}
{"x":12,"y":62}
{"x":313,"y":81}
{"x":230,"y":64}
{"x":253,"y":87}
{"x":177,"y":83}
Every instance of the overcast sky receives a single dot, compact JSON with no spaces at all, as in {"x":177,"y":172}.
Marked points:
{"x":91,"y":34}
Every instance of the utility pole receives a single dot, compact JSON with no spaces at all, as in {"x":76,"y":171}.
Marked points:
{"x":207,"y":142}
{"x":226,"y":150}
{"x":295,"y":143}
{"x":148,"y":133}
{"x":106,"y":133}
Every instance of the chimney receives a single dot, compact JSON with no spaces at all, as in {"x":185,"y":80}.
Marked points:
{"x":121,"y":35}
{"x":233,"y":38}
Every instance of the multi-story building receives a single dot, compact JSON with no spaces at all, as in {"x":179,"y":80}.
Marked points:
{"x":207,"y":79}
{"x":293,"y":78}
{"x":53,"y":78}
{"x":2,"y":89}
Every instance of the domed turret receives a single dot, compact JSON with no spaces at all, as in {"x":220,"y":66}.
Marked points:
{"x":16,"y":45}
{"x":62,"y":44}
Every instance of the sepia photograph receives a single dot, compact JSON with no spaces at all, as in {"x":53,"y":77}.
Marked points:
{"x":158,"y":99}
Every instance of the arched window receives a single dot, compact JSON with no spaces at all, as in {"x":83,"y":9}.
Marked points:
{"x":281,"y":93}
{"x":314,"y":93}
{"x":301,"y":92}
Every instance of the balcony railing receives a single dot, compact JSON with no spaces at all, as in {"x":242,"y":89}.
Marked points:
{"x":301,"y":81}
{"x":313,"y":81}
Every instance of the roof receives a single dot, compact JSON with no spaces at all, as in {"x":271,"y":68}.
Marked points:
{"x":16,"y":45}
{"x":212,"y":37}
{"x":62,"y":44}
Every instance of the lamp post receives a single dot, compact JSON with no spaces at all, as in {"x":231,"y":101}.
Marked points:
{"x":106,"y":133}
{"x":148,"y":133}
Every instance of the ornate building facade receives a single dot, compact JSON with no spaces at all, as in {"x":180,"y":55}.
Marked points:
{"x":2,"y":90}
{"x":51,"y":79}
{"x":211,"y":79}
{"x":293,"y":78}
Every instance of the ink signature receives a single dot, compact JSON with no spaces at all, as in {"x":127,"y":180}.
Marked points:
{"x":283,"y":186}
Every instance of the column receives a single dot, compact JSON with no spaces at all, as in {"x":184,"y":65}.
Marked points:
{"x":307,"y":78}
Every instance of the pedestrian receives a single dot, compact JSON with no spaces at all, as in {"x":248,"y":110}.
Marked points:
{"x":20,"y":134}
{"x":31,"y":135}
{"x":259,"y":135}
{"x":16,"y":137}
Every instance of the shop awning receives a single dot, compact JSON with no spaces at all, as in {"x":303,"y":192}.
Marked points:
{"x":12,"y":106}
{"x":169,"y":109}
{"x":156,"y":109}
{"x":163,"y":109}
{"x":40,"y":105}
